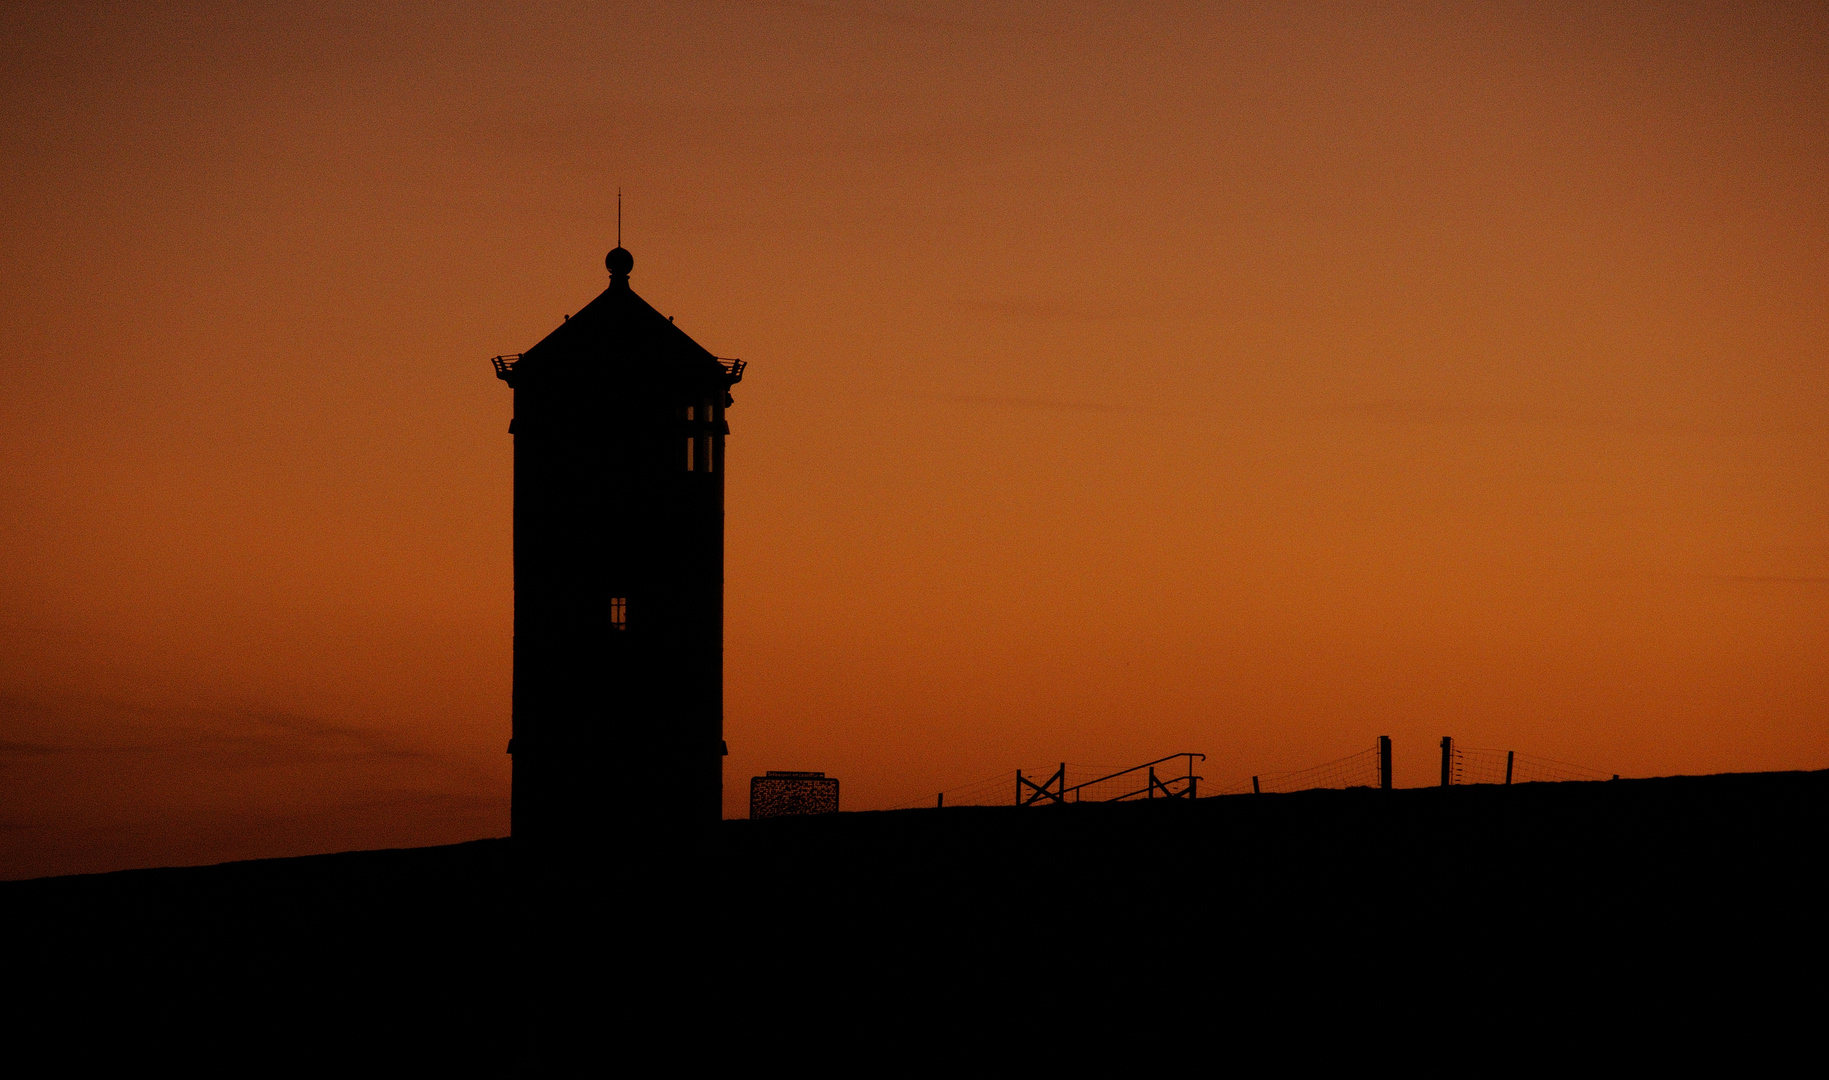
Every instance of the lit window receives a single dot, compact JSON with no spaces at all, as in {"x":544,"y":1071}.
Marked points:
{"x":619,"y":613}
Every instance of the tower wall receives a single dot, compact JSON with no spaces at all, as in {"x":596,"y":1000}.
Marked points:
{"x":619,"y":595}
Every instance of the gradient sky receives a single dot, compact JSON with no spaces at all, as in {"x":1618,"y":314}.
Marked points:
{"x":1249,"y":379}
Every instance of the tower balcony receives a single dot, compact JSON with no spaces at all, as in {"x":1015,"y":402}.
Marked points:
{"x":504,"y":366}
{"x":506,"y":363}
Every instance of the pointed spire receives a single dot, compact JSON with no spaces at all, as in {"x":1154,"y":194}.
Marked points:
{"x":619,"y":261}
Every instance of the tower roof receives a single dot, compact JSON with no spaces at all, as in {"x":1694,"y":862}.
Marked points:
{"x":620,"y":329}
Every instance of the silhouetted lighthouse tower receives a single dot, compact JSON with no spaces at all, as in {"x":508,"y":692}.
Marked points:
{"x":618,"y":572}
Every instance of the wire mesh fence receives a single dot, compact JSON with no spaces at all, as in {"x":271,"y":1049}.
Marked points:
{"x":1362,"y":769}
{"x":1000,"y":789}
{"x":1484,"y":765}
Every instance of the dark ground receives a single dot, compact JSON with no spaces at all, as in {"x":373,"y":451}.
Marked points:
{"x":1617,"y":890}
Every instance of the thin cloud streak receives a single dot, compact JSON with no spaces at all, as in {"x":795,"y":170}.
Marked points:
{"x":287,"y":736}
{"x":1026,"y":403}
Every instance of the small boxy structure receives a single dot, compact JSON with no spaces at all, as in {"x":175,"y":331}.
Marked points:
{"x":792,"y":794}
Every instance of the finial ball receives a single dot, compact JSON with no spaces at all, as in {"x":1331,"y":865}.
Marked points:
{"x":619,"y":262}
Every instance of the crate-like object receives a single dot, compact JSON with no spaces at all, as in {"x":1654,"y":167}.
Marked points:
{"x":792,"y":794}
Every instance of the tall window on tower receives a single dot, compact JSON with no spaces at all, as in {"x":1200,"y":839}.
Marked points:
{"x":700,"y":448}
{"x":701,"y":445}
{"x":619,"y":613}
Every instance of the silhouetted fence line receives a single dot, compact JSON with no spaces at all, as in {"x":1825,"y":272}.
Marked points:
{"x":1485,"y":765}
{"x":1069,"y":782}
{"x":1368,"y":768}
{"x":991,"y":790}
{"x":1363,"y":769}
{"x":1136,"y":782}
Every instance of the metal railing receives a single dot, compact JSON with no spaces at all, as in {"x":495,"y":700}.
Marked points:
{"x":1055,"y":789}
{"x":505,"y":365}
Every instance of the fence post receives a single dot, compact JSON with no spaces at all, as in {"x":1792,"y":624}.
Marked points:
{"x":1508,"y":757}
{"x":940,"y":801}
{"x":1254,"y":789}
{"x":1018,"y":787}
{"x":1193,"y":781}
{"x":1447,"y":754}
{"x":1384,"y":763}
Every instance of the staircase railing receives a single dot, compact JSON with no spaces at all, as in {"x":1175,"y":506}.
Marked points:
{"x":1055,"y":789}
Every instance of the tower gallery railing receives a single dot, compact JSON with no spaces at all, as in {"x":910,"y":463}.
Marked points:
{"x":505,"y":364}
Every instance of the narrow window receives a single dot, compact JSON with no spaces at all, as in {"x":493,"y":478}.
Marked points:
{"x":689,"y":448}
{"x":619,"y":613}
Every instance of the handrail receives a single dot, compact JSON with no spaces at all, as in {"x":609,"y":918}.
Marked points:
{"x":1162,"y":784}
{"x":505,"y":365}
{"x":1148,"y":764}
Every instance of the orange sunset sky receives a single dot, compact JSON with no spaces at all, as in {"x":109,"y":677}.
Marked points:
{"x":1250,"y":379}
